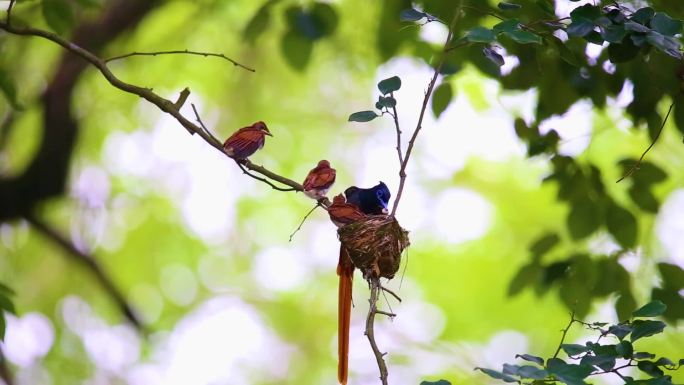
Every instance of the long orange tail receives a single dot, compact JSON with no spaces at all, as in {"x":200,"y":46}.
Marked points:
{"x":345,"y":269}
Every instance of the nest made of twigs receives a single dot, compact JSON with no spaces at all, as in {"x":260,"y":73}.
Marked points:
{"x":375,"y":244}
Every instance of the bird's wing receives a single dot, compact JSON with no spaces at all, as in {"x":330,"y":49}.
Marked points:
{"x":244,"y":141}
{"x":322,"y":178}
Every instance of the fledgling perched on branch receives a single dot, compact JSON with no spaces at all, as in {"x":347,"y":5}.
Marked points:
{"x":319,"y":180}
{"x":246,"y":141}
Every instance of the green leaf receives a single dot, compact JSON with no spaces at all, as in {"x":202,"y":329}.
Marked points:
{"x":574,"y":349}
{"x":509,"y":25}
{"x":644,"y":198}
{"x":625,"y":305}
{"x":440,"y":382}
{"x":643,"y":15}
{"x":605,"y":363}
{"x":624,"y":349}
{"x":259,"y":22}
{"x":651,"y":309}
{"x":613,"y":33}
{"x":4,"y":289}
{"x":603,"y":350}
{"x":296,"y":49}
{"x":58,"y":15}
{"x":565,"y":53}
{"x":623,"y":52}
{"x":620,"y":330}
{"x":672,"y":276}
{"x":383,"y":101}
{"x":583,"y":219}
{"x":441,"y":98}
{"x":6,"y":304}
{"x":587,"y":11}
{"x":543,"y":244}
{"x":622,"y":225}
{"x":497,"y":375}
{"x":546,"y":6}
{"x":580,"y":27}
{"x":493,"y":56}
{"x":569,"y":373}
{"x":508,"y":6}
{"x":529,"y":371}
{"x":636,"y":27}
{"x":666,"y":44}
{"x":510,"y":369}
{"x":646,"y":328}
{"x":531,"y":358}
{"x":650,"y":368}
{"x":666,"y":25}
{"x":528,"y":275}
{"x":411,"y":14}
{"x":363,"y":116}
{"x":524,"y":37}
{"x":664,"y":361}
{"x":643,"y":355}
{"x":389,"y":85}
{"x":480,"y":35}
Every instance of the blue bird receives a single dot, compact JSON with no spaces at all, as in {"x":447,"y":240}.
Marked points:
{"x":372,"y":201}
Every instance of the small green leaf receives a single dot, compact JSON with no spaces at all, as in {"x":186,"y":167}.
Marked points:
{"x":508,"y":6}
{"x":646,"y":328}
{"x":510,"y":369}
{"x":643,"y":15}
{"x":440,"y":382}
{"x":666,"y":44}
{"x":524,"y":37}
{"x":651,"y":309}
{"x":529,"y":371}
{"x":650,"y":368}
{"x":623,"y":52}
{"x":6,"y":289}
{"x":636,"y":27}
{"x":58,"y":14}
{"x":622,"y":225}
{"x":583,"y":219}
{"x":666,"y":25}
{"x":6,"y":304}
{"x":624,"y":349}
{"x":543,"y":244}
{"x":8,"y":89}
{"x":389,"y":85}
{"x":644,"y":198}
{"x":441,"y":98}
{"x":531,"y":358}
{"x":643,"y":355}
{"x":411,"y":14}
{"x":388,"y":102}
{"x":672,"y":276}
{"x":497,"y":375}
{"x":580,"y":27}
{"x":613,"y":33}
{"x":480,"y":35}
{"x":509,"y":25}
{"x":664,"y":361}
{"x":574,"y":349}
{"x":546,"y":6}
{"x":620,"y":330}
{"x":363,"y":116}
{"x":296,"y":49}
{"x":569,"y":373}
{"x":586,"y":11}
{"x":605,"y":363}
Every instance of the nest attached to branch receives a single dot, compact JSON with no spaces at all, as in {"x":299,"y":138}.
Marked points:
{"x":375,"y":245}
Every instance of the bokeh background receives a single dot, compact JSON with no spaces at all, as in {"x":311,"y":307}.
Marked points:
{"x":202,"y":252}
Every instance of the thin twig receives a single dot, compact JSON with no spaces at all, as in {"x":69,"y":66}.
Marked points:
{"x":304,"y":220}
{"x":388,"y":314}
{"x":565,"y":332}
{"x":390,"y":292}
{"x":175,"y":52}
{"x":426,"y":99}
{"x":9,"y":11}
{"x":370,"y":321}
{"x":395,"y":116}
{"x":199,"y":120}
{"x":91,"y":263}
{"x":268,"y":182}
{"x":653,"y":142}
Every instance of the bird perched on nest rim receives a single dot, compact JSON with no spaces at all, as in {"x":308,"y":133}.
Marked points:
{"x":319,"y":180}
{"x":372,"y":201}
{"x":341,"y":214}
{"x":246,"y":141}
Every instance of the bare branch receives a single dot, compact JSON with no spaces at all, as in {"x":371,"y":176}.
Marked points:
{"x":395,"y":115}
{"x":90,"y":262}
{"x":426,"y":99}
{"x":390,"y":292}
{"x":565,"y":332}
{"x":304,"y":220}
{"x":245,"y":171}
{"x":634,"y":168}
{"x":174,"y":52}
{"x":370,"y":333}
{"x":9,"y":11}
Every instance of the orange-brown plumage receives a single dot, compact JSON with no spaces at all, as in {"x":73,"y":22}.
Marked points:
{"x":343,"y":213}
{"x":319,"y":180}
{"x":246,"y":141}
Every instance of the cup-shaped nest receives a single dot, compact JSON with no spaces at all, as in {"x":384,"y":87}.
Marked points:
{"x":375,"y":244}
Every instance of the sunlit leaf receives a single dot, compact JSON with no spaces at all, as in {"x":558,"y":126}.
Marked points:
{"x":441,"y":98}
{"x":646,"y":328}
{"x":622,"y":225}
{"x":651,"y":309}
{"x":363,"y":116}
{"x":480,"y":35}
{"x":58,"y":14}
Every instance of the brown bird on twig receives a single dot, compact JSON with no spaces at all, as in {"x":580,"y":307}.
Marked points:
{"x":319,"y":180}
{"x":246,"y":141}
{"x":343,"y":213}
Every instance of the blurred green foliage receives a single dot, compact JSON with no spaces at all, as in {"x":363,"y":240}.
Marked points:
{"x":316,"y":64}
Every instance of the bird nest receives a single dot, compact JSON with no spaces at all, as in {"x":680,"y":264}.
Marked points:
{"x":375,"y":245}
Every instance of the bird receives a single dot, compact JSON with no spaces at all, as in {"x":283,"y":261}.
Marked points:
{"x":246,"y":141}
{"x":343,"y":213}
{"x":319,"y":180}
{"x":371,"y":201}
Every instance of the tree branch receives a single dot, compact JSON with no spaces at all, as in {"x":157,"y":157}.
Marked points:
{"x":426,"y":99}
{"x":395,"y":116}
{"x":370,"y":333}
{"x":91,"y":264}
{"x":304,"y":220}
{"x":185,"y":51}
{"x":565,"y":332}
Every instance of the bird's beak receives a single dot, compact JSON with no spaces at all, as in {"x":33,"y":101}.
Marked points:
{"x":268,"y":133}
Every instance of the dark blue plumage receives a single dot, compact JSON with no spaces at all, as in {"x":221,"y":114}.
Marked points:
{"x":371,"y":201}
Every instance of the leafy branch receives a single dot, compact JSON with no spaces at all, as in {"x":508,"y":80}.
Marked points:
{"x":596,"y":358}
